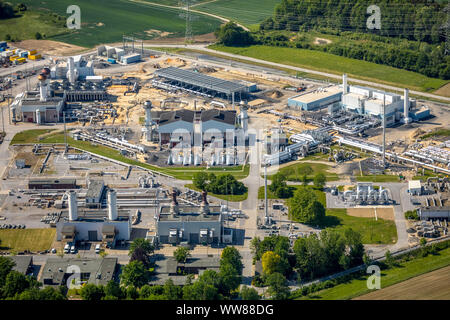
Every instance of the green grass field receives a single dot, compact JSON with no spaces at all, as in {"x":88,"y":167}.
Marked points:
{"x":105,"y":21}
{"x":182,"y":173}
{"x":405,"y":271}
{"x":249,"y":12}
{"x":25,"y":26}
{"x":295,"y":171}
{"x":231,"y":198}
{"x":26,"y":239}
{"x":327,"y":62}
{"x":378,"y":178}
{"x":437,"y":133}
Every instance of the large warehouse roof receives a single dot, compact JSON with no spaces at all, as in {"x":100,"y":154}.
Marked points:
{"x":201,"y":80}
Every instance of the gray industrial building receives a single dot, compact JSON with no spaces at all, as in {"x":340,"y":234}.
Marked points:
{"x":107,"y":225}
{"x":95,"y":193}
{"x":57,"y":271}
{"x":189,"y":223}
{"x":200,"y":83}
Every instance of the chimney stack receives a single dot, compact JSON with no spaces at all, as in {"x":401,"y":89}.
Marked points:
{"x":406,"y":118}
{"x":174,"y":204}
{"x":112,"y":205}
{"x":73,"y":206}
{"x":204,"y":208}
{"x":344,"y":84}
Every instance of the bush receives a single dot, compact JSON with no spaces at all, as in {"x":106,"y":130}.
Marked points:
{"x":38,"y":36}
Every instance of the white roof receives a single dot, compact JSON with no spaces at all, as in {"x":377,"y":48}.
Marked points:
{"x":414,"y":184}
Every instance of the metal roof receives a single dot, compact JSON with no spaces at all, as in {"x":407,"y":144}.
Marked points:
{"x":201,"y":80}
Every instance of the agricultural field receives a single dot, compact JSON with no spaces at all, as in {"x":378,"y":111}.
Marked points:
{"x":404,"y":271}
{"x":34,"y":240}
{"x":105,"y":21}
{"x":429,"y":286}
{"x":248,"y":13}
{"x":331,"y":63}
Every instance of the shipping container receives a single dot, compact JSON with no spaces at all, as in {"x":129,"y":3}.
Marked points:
{"x":3,"y":44}
{"x":110,"y":60}
{"x":35,"y":57}
{"x":32,"y":52}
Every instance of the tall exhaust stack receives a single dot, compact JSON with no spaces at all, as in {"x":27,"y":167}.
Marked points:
{"x":112,"y":205}
{"x":73,"y":206}
{"x":344,"y":84}
{"x":406,"y":118}
{"x":148,"y":120}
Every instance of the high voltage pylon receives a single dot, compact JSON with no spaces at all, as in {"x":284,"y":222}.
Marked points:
{"x":188,"y":36}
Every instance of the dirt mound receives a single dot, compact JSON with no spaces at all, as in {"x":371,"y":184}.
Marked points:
{"x":49,"y":47}
{"x":274,"y":94}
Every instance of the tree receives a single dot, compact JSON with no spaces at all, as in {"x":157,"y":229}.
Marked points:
{"x":278,"y":288}
{"x":181,"y":254}
{"x":38,"y":36}
{"x":270,"y":262}
{"x":248,"y":293}
{"x":92,"y":292}
{"x":16,"y":283}
{"x":205,"y":288}
{"x":113,"y":289}
{"x":423,"y":242}
{"x":132,"y":293}
{"x":279,"y":186}
{"x":200,"y":180}
{"x":21,"y":7}
{"x":356,"y":248}
{"x":135,"y":274}
{"x":304,"y":207}
{"x":232,"y":35}
{"x":140,"y":250}
{"x":319,"y":180}
{"x":171,"y":291}
{"x":6,"y":266}
{"x":389,"y":259}
{"x":231,"y":256}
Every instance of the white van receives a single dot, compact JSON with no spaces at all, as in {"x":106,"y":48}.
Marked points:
{"x":97,"y":248}
{"x":66,"y":248}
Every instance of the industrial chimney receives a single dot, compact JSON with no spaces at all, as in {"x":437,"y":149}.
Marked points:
{"x":244,"y":118}
{"x":43,"y":88}
{"x":174,"y":204}
{"x":73,"y":206}
{"x":344,"y":84}
{"x":204,"y":208}
{"x":112,"y":205}
{"x":406,"y":118}
{"x":148,"y":120}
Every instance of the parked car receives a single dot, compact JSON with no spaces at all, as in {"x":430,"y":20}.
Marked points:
{"x":66,"y":248}
{"x":97,"y":248}
{"x":73,"y":249}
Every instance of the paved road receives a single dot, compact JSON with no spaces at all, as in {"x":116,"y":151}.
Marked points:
{"x":202,"y":47}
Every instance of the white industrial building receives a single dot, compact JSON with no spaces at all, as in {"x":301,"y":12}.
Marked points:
{"x":110,"y":52}
{"x":370,"y":101}
{"x":415,"y":187}
{"x":74,"y":69}
{"x":108,"y":225}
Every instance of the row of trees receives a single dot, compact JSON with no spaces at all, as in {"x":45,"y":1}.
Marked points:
{"x":305,"y":206}
{"x":419,"y":20}
{"x":222,"y":184}
{"x":16,"y":286}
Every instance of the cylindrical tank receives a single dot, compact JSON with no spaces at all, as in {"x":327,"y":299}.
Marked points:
{"x":38,"y":116}
{"x":112,"y":205}
{"x":73,"y":206}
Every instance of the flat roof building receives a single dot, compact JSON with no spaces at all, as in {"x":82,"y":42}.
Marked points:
{"x":99,"y":271}
{"x":189,"y":223}
{"x":316,"y":99}
{"x":62,"y":184}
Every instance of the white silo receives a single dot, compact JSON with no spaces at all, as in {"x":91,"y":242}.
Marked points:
{"x":148,"y":120}
{"x":406,"y":118}
{"x":38,"y":116}
{"x":112,"y":205}
{"x":73,"y":206}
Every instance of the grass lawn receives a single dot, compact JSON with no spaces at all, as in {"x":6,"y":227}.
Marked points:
{"x":295,"y":171}
{"x":105,"y":21}
{"x":378,"y":178}
{"x":405,"y":271}
{"x":231,"y":198}
{"x":437,"y":133}
{"x":28,"y":23}
{"x":26,"y":239}
{"x":247,"y":12}
{"x":330,"y":63}
{"x":181,"y":173}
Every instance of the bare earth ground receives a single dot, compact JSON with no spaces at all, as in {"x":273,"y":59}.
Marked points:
{"x":434,"y":285}
{"x":49,"y":47}
{"x":382,"y":213}
{"x":444,"y":91}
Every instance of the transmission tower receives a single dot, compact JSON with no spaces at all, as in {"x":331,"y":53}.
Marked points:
{"x":188,"y":37}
